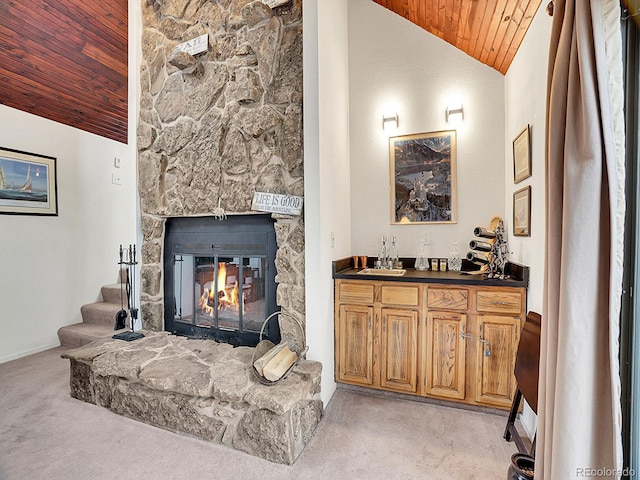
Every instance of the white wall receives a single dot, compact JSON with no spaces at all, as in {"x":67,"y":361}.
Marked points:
{"x":53,"y":265}
{"x":396,"y":66}
{"x":326,"y":171}
{"x":525,"y":93}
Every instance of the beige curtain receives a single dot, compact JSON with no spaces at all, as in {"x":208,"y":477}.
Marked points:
{"x":579,"y":424}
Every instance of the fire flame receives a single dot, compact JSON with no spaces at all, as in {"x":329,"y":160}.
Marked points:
{"x":228,"y":298}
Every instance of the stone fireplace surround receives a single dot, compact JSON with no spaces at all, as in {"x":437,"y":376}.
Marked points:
{"x":215,"y":128}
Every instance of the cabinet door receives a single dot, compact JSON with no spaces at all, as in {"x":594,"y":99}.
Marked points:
{"x":355,"y":344}
{"x":495,"y":381}
{"x":446,"y":354}
{"x":399,"y":344}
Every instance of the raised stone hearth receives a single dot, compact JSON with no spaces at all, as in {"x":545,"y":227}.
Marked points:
{"x":201,"y":388}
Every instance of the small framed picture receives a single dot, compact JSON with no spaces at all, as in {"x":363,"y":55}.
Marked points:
{"x":522,"y":155}
{"x":27,"y":183}
{"x":522,"y":212}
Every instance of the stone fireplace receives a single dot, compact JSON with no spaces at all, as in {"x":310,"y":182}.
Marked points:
{"x":214,"y":128}
{"x":218,"y":126}
{"x":219,"y":278}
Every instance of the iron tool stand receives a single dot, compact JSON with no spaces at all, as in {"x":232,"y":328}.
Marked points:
{"x":131,"y":296}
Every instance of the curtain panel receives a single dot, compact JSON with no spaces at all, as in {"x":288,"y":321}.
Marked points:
{"x":579,"y":424}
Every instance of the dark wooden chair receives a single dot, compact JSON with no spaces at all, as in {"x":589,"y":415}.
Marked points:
{"x":526,"y":371}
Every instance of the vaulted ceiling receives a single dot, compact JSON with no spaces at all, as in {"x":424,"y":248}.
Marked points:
{"x":66,"y":60}
{"x":491,"y":31}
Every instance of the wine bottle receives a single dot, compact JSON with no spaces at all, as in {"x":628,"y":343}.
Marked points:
{"x":484,"y":232}
{"x":480,"y":246}
{"x":474,"y":257}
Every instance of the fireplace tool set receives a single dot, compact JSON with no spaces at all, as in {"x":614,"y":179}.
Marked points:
{"x":127,"y":269}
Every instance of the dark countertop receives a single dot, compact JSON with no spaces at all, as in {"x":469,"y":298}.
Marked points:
{"x":519,"y":275}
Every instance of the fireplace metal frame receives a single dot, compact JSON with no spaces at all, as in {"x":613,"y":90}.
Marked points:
{"x":237,"y":236}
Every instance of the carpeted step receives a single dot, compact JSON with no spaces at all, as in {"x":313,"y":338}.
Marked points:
{"x":100,"y":313}
{"x":111,"y":294}
{"x":80,"y":334}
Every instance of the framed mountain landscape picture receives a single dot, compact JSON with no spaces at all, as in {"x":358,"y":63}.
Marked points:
{"x":27,"y":183}
{"x":423,"y":178}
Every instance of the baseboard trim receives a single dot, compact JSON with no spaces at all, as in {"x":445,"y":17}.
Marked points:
{"x":26,"y":353}
{"x":416,"y":398}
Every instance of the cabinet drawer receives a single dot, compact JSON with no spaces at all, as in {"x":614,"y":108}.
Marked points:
{"x":356,"y":292}
{"x":392,"y":295}
{"x":451,"y":299}
{"x":499,"y":302}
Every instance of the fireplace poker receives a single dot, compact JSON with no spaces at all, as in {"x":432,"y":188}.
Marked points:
{"x":121,"y":315}
{"x":134,"y":309}
{"x":130,"y":284}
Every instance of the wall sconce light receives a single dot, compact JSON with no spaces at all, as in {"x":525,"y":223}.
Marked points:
{"x":455,"y":114}
{"x":389,"y":121}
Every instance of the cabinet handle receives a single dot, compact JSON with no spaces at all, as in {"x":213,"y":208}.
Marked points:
{"x":487,"y":346}
{"x":499,"y":303}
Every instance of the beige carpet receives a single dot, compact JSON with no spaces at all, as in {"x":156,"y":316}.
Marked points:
{"x":45,"y":434}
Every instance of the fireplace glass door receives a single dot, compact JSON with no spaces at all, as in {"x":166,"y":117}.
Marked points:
{"x":226,"y":293}
{"x":219,"y":278}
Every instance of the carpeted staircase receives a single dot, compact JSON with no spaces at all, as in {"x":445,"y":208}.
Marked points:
{"x":98,"y":319}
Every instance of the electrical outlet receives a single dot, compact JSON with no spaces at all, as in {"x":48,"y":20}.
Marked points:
{"x":427,"y":238}
{"x":115,"y":179}
{"x":333,"y":239}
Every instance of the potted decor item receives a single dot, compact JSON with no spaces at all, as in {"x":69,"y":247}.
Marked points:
{"x":522,"y":467}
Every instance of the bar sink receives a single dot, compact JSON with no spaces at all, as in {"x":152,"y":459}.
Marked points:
{"x":377,"y":271}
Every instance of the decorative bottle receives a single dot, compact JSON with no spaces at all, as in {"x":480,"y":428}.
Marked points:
{"x":422,"y":262}
{"x":393,"y":260}
{"x":455,"y":262}
{"x":382,"y":254}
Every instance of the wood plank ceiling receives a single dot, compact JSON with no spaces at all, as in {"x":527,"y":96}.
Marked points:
{"x":66,"y":60}
{"x":491,"y":31}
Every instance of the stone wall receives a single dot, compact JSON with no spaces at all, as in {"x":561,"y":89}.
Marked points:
{"x":218,"y":126}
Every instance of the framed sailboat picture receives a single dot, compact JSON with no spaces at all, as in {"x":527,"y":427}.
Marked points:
{"x":423,"y":178}
{"x":27,"y":183}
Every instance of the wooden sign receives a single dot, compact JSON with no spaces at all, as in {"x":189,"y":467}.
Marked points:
{"x":195,"y":45}
{"x":276,"y":203}
{"x":275,"y":3}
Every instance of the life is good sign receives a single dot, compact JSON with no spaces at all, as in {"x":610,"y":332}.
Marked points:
{"x":277,"y":203}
